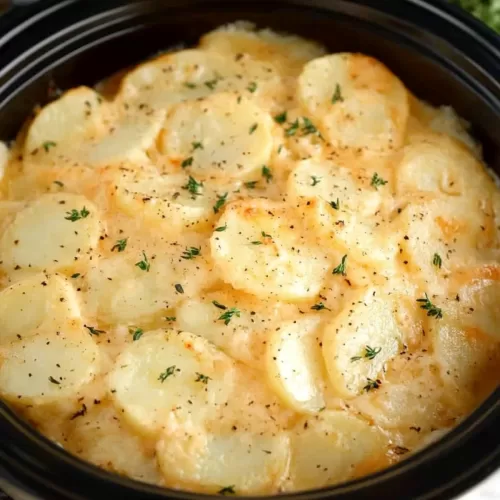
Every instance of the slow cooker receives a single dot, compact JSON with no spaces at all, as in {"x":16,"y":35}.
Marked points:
{"x":443,"y":55}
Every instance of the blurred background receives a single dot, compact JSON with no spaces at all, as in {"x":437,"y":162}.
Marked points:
{"x":487,"y":11}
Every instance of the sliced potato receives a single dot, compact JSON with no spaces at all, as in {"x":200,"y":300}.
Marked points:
{"x":56,"y":231}
{"x":438,"y":164}
{"x":99,"y":436}
{"x":220,"y":136}
{"x":334,"y":183}
{"x":122,"y":292}
{"x":204,"y":461}
{"x":69,"y":118}
{"x":31,"y":303}
{"x":328,"y":448}
{"x":294,"y":365}
{"x":175,"y":201}
{"x":159,"y":377}
{"x":265,"y":252}
{"x":360,"y":341}
{"x":4,"y":158}
{"x":359,"y":103}
{"x":49,"y":366}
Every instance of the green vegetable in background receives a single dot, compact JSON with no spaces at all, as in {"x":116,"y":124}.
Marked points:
{"x":487,"y":11}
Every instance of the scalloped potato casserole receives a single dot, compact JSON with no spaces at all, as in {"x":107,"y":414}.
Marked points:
{"x":249,"y":267}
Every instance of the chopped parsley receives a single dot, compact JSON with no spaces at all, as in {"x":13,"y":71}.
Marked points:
{"x":252,"y":87}
{"x":136,"y":333}
{"x":319,"y":307}
{"x":251,"y":184}
{"x":340,"y":269}
{"x":221,"y":228}
{"x":281,"y":118}
{"x":292,"y":129}
{"x":120,"y":245}
{"x":335,"y":204}
{"x":372,"y":384}
{"x":431,"y":309}
{"x":187,"y":162}
{"x":337,"y":95}
{"x":253,"y":128}
{"x":190,"y":85}
{"x":308,"y":127}
{"x":193,"y":186}
{"x":191,"y":252}
{"x":59,"y":183}
{"x":170,"y":318}
{"x":94,"y":331}
{"x":227,"y":316}
{"x":197,"y":145}
{"x":144,"y":264}
{"x":256,"y":242}
{"x":179,"y":288}
{"x":227,"y":490}
{"x":167,"y":373}
{"x":211,"y":83}
{"x":48,"y":144}
{"x":377,"y":181}
{"x":53,"y":380}
{"x":370,"y":353}
{"x":219,"y":305}
{"x":437,"y":261}
{"x":315,"y":180}
{"x":76,"y":275}
{"x":202,"y":378}
{"x":220,"y":202}
{"x":75,"y":215}
{"x":266,"y":173}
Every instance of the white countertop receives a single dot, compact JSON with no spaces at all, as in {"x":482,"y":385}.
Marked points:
{"x":487,"y":490}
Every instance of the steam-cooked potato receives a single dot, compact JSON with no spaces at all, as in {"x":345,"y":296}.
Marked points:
{"x":55,"y":232}
{"x":360,"y":341}
{"x":220,"y":136}
{"x":264,"y":251}
{"x":294,"y":365}
{"x":359,"y":103}
{"x":31,"y":303}
{"x":50,"y":365}
{"x":243,"y":462}
{"x":328,"y":448}
{"x":170,"y":374}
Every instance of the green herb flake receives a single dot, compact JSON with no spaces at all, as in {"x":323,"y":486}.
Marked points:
{"x":144,"y":264}
{"x":252,"y":87}
{"x":219,"y":305}
{"x":179,"y":288}
{"x":337,"y":95}
{"x":76,"y":275}
{"x":340,"y":269}
{"x":211,"y":84}
{"x":202,"y":378}
{"x":315,"y":180}
{"x":292,"y":129}
{"x":193,"y":186}
{"x":221,"y":228}
{"x":227,"y":490}
{"x":371,"y":352}
{"x":136,"y":333}
{"x":308,"y":127}
{"x":59,"y":183}
{"x":355,"y":358}
{"x":53,"y":380}
{"x":120,"y":245}
{"x":191,"y":252}
{"x":266,"y":173}
{"x":170,"y":318}
{"x":75,"y":215}
{"x":281,"y":118}
{"x":221,"y":200}
{"x":170,"y":371}
{"x":437,"y":261}
{"x":335,"y":204}
{"x":190,"y":85}
{"x":253,"y":128}
{"x":48,"y":144}
{"x":377,"y":181}
{"x":227,"y":316}
{"x":319,"y":307}
{"x":187,"y":162}
{"x":94,"y":331}
{"x":372,"y":385}
{"x":432,"y":310}
{"x":197,"y":145}
{"x":251,"y":184}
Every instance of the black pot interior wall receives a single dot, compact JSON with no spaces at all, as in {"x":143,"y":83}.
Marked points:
{"x":432,"y":69}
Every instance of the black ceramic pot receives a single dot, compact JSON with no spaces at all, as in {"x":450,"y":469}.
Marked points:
{"x":441,"y":54}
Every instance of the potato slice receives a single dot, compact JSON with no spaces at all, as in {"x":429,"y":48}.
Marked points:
{"x":4,"y":158}
{"x":294,"y":365}
{"x":332,"y":182}
{"x":99,"y":437}
{"x":220,"y":136}
{"x":161,"y":376}
{"x":121,"y":292}
{"x":49,"y":366}
{"x":438,"y":164}
{"x":360,"y":341}
{"x":264,"y":251}
{"x":174,"y":201}
{"x":55,"y":232}
{"x":289,"y":53}
{"x":67,"y":119}
{"x":31,"y":303}
{"x":327,"y":449}
{"x":357,"y":101}
{"x":199,"y":460}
